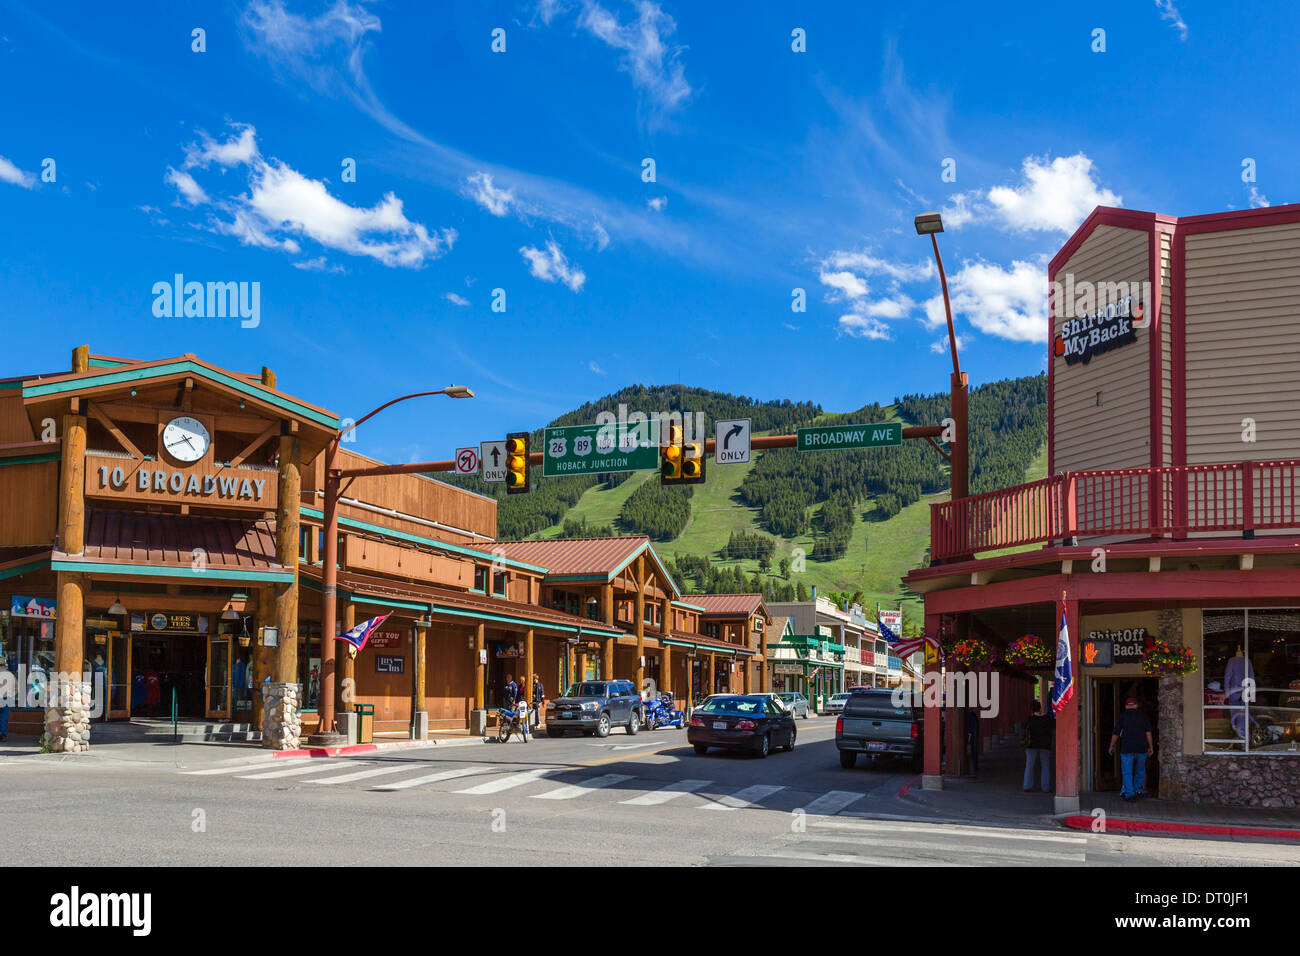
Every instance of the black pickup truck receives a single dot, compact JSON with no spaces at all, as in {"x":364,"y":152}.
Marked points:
{"x":874,"y":725}
{"x":595,"y":706}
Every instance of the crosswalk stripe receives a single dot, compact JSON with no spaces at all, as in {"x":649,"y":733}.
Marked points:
{"x":986,"y":833}
{"x":906,"y":847}
{"x":742,"y":798}
{"x":363,"y":774}
{"x":310,"y":767}
{"x":671,"y":792}
{"x":215,"y":770}
{"x":569,"y":791}
{"x":511,"y":780}
{"x":431,"y":778}
{"x":854,"y":859}
{"x":832,"y":802}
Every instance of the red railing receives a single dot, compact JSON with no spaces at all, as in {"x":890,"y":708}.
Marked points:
{"x":1148,"y":502}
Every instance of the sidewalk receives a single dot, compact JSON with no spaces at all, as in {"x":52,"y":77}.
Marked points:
{"x":995,"y":794}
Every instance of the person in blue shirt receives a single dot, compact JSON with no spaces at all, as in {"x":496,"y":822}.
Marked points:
{"x":511,"y":691}
{"x":1133,"y":734}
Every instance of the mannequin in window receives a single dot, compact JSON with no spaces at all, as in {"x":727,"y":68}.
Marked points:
{"x":1239,"y":670}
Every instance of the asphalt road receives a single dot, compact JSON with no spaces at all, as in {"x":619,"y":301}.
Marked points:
{"x":621,"y":800}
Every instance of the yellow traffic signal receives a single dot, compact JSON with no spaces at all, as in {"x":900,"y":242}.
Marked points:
{"x":517,"y":463}
{"x":670,"y":457}
{"x":693,"y":462}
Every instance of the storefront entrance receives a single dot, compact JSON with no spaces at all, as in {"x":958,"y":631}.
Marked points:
{"x":165,"y":663}
{"x":1107,"y":701}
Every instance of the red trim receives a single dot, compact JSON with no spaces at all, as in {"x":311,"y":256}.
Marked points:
{"x":1178,"y":345}
{"x":1115,"y":824}
{"x":352,"y":749}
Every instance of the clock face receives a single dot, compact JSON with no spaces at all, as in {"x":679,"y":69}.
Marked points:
{"x":186,"y":439}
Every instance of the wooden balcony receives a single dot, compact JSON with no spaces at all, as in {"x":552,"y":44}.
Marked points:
{"x":1173,"y":502}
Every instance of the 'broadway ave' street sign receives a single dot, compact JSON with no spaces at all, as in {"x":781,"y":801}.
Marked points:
{"x":835,"y":437}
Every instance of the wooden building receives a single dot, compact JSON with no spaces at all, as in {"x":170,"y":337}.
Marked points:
{"x":1171,"y":509}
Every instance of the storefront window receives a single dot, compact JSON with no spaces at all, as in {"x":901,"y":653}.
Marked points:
{"x":27,"y":647}
{"x":309,"y":667}
{"x":1251,"y":680}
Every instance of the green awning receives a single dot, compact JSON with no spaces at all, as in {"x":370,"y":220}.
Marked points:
{"x":835,"y":648}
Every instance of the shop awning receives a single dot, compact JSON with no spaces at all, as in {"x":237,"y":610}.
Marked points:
{"x":705,"y":643}
{"x":176,"y":546}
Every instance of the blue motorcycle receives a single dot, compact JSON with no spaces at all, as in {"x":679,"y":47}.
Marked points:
{"x":509,"y":723}
{"x":659,"y":712}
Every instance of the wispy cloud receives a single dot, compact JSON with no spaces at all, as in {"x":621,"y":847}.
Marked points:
{"x":864,"y":327}
{"x":10,"y":173}
{"x":1170,"y":13}
{"x":648,"y":56}
{"x":494,"y":200}
{"x":456,"y":299}
{"x":596,"y":368}
{"x":282,"y":207}
{"x":1257,"y":199}
{"x":551,"y":265}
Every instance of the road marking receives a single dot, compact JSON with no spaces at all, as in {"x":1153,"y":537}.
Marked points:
{"x":310,"y":767}
{"x":512,"y":780}
{"x":212,"y":770}
{"x":569,"y":791}
{"x":647,"y":743}
{"x":832,"y":802}
{"x":619,"y":759}
{"x":907,"y":846}
{"x":980,"y":832}
{"x":664,"y":794}
{"x":432,"y":778}
{"x":742,"y":798}
{"x":858,"y":860}
{"x":363,"y":774}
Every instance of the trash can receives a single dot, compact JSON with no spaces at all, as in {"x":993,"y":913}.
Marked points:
{"x":365,"y":723}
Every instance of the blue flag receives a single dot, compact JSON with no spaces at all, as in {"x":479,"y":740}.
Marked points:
{"x":358,"y":635}
{"x":1063,"y":679}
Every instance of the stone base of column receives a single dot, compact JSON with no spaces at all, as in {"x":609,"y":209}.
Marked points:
{"x":1066,"y":804}
{"x":282,"y":716}
{"x":67,"y":720}
{"x":478,"y":722}
{"x":932,"y":781}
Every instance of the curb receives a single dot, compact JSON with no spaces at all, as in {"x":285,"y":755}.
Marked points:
{"x":1080,"y":822}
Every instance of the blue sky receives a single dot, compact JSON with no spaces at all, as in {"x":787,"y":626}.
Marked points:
{"x":522,"y":170}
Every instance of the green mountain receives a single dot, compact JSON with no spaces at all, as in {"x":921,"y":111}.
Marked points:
{"x":850,"y":523}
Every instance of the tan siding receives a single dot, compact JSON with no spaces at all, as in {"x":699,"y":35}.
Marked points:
{"x":1241,"y":355}
{"x":1115,"y":434}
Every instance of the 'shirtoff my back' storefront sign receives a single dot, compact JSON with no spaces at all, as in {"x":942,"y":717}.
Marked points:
{"x":1107,"y":328}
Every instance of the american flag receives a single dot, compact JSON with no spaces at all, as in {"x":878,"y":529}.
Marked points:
{"x":902,"y":647}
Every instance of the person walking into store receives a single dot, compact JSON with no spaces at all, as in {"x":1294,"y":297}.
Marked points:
{"x":1037,"y":739}
{"x":539,"y":694}
{"x":1133,"y":734}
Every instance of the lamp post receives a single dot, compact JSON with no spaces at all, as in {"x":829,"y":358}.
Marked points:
{"x":931,"y":224}
{"x":330,"y":559}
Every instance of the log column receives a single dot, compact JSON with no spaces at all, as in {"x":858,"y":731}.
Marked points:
{"x":282,"y":719}
{"x":666,"y":654}
{"x":478,"y":717}
{"x":345,"y":717}
{"x":932,"y":779}
{"x":420,"y":719}
{"x":607,"y":609}
{"x":67,"y":698}
{"x":638,"y":614}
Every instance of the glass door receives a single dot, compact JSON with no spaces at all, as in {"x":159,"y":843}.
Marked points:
{"x":119,"y":676}
{"x":218,"y":671}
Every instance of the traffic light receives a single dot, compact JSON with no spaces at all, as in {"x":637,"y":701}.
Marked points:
{"x":680,"y":462}
{"x":670,"y":457}
{"x":517,"y":463}
{"x":693,"y":463}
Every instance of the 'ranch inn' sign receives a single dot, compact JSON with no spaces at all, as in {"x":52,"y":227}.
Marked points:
{"x":211,"y":485}
{"x":1108,"y":328}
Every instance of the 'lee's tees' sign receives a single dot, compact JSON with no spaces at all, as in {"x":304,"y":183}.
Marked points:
{"x":199,"y":484}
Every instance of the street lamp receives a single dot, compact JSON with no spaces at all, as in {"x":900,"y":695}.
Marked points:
{"x":931,"y":224}
{"x":330,"y":559}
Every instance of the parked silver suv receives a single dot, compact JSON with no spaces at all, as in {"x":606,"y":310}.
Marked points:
{"x":594,"y":707}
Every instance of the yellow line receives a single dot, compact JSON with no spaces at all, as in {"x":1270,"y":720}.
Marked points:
{"x":644,"y":753}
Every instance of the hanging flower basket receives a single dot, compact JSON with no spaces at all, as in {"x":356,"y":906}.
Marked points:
{"x":1030,"y":653}
{"x":972,"y":654}
{"x":1166,"y":659}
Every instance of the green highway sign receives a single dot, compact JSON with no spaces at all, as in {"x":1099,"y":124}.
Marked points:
{"x":596,"y":449}
{"x":836,"y":437}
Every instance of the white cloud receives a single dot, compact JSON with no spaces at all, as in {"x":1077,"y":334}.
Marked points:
{"x":1170,"y":12}
{"x":655,"y":67}
{"x":940,"y":347}
{"x":845,"y":285}
{"x":1257,"y":199}
{"x":10,"y":173}
{"x":191,"y":192}
{"x":552,"y":265}
{"x":792,"y":328}
{"x":1009,"y":303}
{"x":1054,"y":196}
{"x":895,"y":307}
{"x":319,"y":264}
{"x":494,"y":200}
{"x":658,"y":204}
{"x":864,"y":327}
{"x":596,"y":368}
{"x":281,"y":206}
{"x":960,"y":210}
{"x":456,"y":299}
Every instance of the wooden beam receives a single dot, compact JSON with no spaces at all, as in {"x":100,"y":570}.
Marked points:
{"x":269,"y":431}
{"x":98,"y":415}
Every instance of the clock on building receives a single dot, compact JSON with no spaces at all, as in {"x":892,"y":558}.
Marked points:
{"x":186,"y":439}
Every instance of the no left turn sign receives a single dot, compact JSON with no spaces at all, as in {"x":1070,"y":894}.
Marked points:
{"x":466,"y":461}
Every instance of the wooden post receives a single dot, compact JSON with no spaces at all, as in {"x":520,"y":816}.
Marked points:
{"x":607,"y":612}
{"x":421,"y":663}
{"x":480,"y":669}
{"x":933,"y":771}
{"x":638,"y":613}
{"x":712,"y":682}
{"x":72,"y":487}
{"x":347,"y":684}
{"x":579,"y":663}
{"x":81,"y":358}
{"x":262,"y":656}
{"x":286,"y":548}
{"x":764,"y":679}
{"x":69,"y":626}
{"x":665,"y":631}
{"x":666,"y":669}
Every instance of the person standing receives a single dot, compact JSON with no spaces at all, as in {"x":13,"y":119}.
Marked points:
{"x":539,"y":694}
{"x":510,"y":692}
{"x":1133,"y":734}
{"x":973,"y":738}
{"x":8,"y":687}
{"x":1038,"y":737}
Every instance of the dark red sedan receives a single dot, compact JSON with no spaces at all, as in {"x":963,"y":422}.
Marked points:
{"x":755,"y":723}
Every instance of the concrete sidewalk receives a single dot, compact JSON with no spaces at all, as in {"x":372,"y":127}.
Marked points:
{"x":995,"y":794}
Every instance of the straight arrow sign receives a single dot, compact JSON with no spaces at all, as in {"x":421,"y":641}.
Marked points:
{"x":493,"y":456}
